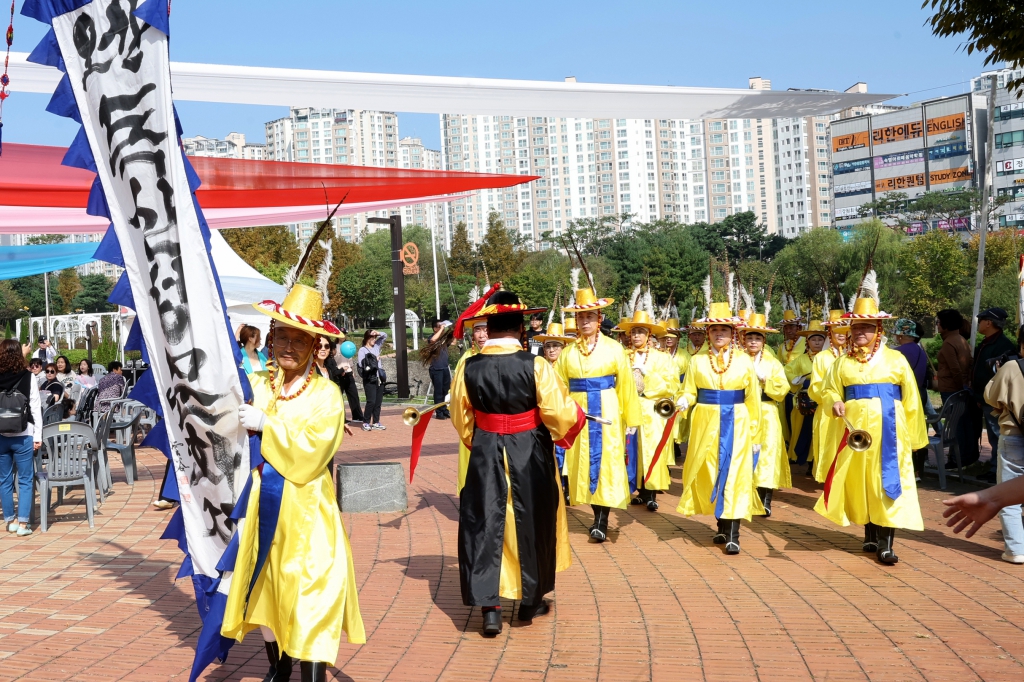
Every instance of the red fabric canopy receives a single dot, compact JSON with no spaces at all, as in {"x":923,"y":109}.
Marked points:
{"x":32,"y":175}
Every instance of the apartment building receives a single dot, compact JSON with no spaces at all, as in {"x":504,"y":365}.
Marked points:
{"x":803,"y":196}
{"x":233,"y":146}
{"x":1008,"y":156}
{"x":353,"y":137}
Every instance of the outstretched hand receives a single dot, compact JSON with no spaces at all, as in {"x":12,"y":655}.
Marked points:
{"x":972,"y":509}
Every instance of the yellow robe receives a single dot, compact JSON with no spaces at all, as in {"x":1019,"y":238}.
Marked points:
{"x":619,"y":404}
{"x":463,"y":450}
{"x":823,"y":447}
{"x":700,"y":470}
{"x":661,"y":380}
{"x":772,"y":470}
{"x":785,"y":357}
{"x":306,"y":593}
{"x":800,"y":366}
{"x":558,"y":412}
{"x":856,"y":494}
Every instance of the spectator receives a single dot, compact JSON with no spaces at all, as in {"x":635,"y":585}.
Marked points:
{"x":438,"y":365}
{"x":907,"y":336}
{"x":65,"y":374}
{"x":50,"y":384}
{"x":342,"y":374}
{"x":45,"y":351}
{"x":1005,"y":396}
{"x":36,"y":367}
{"x":18,"y":440}
{"x":253,"y":360}
{"x":368,"y":362}
{"x":110,"y":386}
{"x":991,"y":323}
{"x":536,"y":327}
{"x":954,"y":375}
{"x":85,"y":377}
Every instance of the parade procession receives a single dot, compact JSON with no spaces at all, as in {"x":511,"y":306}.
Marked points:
{"x":573,"y":379}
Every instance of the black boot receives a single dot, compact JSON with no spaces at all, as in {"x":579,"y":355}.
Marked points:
{"x":870,"y":537}
{"x":766,"y":499}
{"x":492,"y":620}
{"x":652,"y":501}
{"x":721,"y":536}
{"x":528,"y":612}
{"x":885,"y":538}
{"x":280,"y":665}
{"x":599,"y":531}
{"x":732,"y":545}
{"x":565,"y":490}
{"x":312,"y":671}
{"x":641,"y":498}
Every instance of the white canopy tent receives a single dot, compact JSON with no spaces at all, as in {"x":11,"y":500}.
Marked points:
{"x":445,"y":94}
{"x":243,"y":285}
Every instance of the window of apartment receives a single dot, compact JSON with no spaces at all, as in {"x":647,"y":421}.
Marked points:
{"x":715,"y":125}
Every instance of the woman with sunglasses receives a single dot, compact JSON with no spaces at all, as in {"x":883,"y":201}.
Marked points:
{"x":52,"y":384}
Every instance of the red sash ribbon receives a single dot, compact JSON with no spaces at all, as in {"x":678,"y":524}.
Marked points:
{"x":507,"y":424}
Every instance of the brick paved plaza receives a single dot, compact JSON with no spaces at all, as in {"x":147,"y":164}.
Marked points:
{"x":658,"y":601}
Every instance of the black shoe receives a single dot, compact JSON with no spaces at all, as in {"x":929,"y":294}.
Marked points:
{"x":492,"y":621}
{"x":885,"y":539}
{"x":312,"y":671}
{"x":529,"y":612}
{"x":652,"y":505}
{"x":599,"y":531}
{"x":870,"y":537}
{"x":280,"y":666}
{"x":638,"y":500}
{"x":732,"y":545}
{"x":565,"y":491}
{"x":766,"y":499}
{"x":721,"y":536}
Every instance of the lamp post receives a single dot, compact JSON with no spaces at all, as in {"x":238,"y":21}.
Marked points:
{"x":398,"y":292}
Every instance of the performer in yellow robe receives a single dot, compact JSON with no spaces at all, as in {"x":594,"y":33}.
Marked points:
{"x":300,"y":588}
{"x":681,"y":358}
{"x":791,"y":347}
{"x":554,"y":341}
{"x":725,"y":395}
{"x":696,"y":339}
{"x":874,"y":389}
{"x":510,"y":409}
{"x":798,"y":372}
{"x":823,"y":444}
{"x":771,"y":464}
{"x":656,"y":377}
{"x":597,"y":372}
{"x":478,"y":338}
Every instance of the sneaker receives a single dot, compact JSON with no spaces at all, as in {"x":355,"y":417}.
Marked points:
{"x":1013,"y":558}
{"x":163,"y":504}
{"x":25,"y":530}
{"x":379,"y":427}
{"x":366,"y":427}
{"x":12,"y":527}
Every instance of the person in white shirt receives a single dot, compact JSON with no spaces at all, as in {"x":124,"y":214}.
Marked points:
{"x":18,"y":442}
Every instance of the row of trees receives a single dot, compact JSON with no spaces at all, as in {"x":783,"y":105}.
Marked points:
{"x":918,"y":275}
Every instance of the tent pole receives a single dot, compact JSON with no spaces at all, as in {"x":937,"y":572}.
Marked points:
{"x":46,"y":293}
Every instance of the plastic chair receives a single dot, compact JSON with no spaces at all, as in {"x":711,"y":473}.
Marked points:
{"x":70,"y":450}
{"x":949,"y":421}
{"x":85,"y":407}
{"x":53,"y":414}
{"x":104,"y":479}
{"x":120,"y":437}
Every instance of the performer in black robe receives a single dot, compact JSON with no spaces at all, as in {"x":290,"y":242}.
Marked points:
{"x":510,"y":409}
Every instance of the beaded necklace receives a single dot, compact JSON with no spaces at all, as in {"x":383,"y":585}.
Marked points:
{"x":730,"y":349}
{"x":584,"y":345}
{"x":293,"y":396}
{"x":855,"y":353}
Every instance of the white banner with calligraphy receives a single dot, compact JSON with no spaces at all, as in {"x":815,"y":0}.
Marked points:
{"x":118,"y":69}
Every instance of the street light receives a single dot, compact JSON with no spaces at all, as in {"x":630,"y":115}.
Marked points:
{"x":398,"y":293}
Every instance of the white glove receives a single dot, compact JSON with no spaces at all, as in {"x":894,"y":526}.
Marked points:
{"x":630,"y":430}
{"x":762,"y":375}
{"x":682,"y":404}
{"x":447,"y":397}
{"x":757,"y":448}
{"x":799,"y":380}
{"x":252,"y":418}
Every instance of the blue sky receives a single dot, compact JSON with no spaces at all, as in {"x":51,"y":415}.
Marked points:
{"x":721,"y":44}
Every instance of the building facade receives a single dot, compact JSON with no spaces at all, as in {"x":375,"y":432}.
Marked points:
{"x":936,"y":145}
{"x":233,"y":146}
{"x":1008,"y":156}
{"x":803,"y":177}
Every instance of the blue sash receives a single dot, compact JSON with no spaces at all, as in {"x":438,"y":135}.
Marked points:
{"x":888,"y":394}
{"x":593,"y":387}
{"x":632,"y":460}
{"x":726,"y":401}
{"x":560,"y":458}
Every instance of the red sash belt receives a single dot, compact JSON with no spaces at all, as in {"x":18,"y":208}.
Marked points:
{"x":505,"y":424}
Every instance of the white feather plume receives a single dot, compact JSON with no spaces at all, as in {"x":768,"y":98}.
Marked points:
{"x":706,"y":287}
{"x":825,"y":308}
{"x":648,"y":304}
{"x":574,"y":280}
{"x":474,"y":294}
{"x":693,"y":314}
{"x":551,"y":316}
{"x":767,"y":311}
{"x":748,"y":300}
{"x":291,"y":276}
{"x":323,"y":275}
{"x":796,"y":307}
{"x":673,"y":312}
{"x":634,"y":301}
{"x":731,"y":291}
{"x":870,"y":288}
{"x":842,"y":303}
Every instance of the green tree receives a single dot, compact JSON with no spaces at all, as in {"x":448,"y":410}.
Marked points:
{"x":461,"y":259}
{"x":497,"y":251}
{"x":38,"y":239}
{"x":68,"y":286}
{"x":10,"y":301}
{"x":365,"y":291}
{"x":933,"y":270}
{"x":264,"y":248}
{"x":93,"y":296}
{"x":992,"y":26}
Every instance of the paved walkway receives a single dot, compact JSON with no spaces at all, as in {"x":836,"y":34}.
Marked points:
{"x":658,"y":601}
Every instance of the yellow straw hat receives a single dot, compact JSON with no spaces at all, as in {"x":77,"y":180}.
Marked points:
{"x":719,"y":313}
{"x":302,"y":308}
{"x":790,"y":317}
{"x":555,"y":332}
{"x":815,"y":327}
{"x":642,"y":319}
{"x":837,"y":323}
{"x":618,"y":328}
{"x":586,"y":300}
{"x":757,"y":323}
{"x":866,"y":309}
{"x":570,"y":326}
{"x":671,"y":326}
